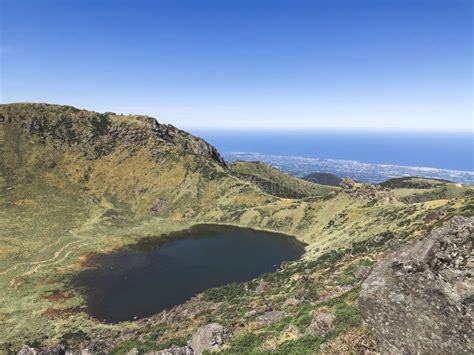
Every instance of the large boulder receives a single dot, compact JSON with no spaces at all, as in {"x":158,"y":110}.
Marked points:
{"x":208,"y":338}
{"x":419,"y":298}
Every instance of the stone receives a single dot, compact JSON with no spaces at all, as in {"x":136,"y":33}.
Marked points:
{"x":270,"y":317}
{"x":208,"y":338}
{"x":174,"y":350}
{"x":250,"y":313}
{"x":362,"y":272}
{"x":262,"y":287}
{"x":26,"y":350}
{"x":419,"y":298}
{"x":55,"y":350}
{"x":321,"y":324}
{"x":134,"y":351}
{"x":291,"y":302}
{"x":347,"y":183}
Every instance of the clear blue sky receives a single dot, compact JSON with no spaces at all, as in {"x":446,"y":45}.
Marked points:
{"x":382,"y":64}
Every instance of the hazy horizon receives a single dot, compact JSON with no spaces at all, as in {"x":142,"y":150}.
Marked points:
{"x":392,"y":65}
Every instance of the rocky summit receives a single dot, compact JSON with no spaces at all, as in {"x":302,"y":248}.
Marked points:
{"x":386,"y":269}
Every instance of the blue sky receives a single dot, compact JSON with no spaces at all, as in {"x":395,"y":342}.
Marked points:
{"x":389,"y":64}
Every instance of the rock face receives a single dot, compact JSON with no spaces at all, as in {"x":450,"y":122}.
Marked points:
{"x":208,"y":338}
{"x":419,"y":299}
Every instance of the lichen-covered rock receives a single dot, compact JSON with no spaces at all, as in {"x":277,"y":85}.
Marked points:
{"x":321,"y":324}
{"x":419,"y":299}
{"x":208,"y":338}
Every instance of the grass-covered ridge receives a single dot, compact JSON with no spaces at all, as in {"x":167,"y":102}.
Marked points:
{"x":278,"y":183}
{"x":75,"y":182}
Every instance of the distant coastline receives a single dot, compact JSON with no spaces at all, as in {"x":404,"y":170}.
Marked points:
{"x":366,"y":172}
{"x":438,"y":150}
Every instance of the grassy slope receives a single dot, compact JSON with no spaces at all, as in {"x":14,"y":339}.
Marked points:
{"x":275,"y":182}
{"x":415,"y":189}
{"x":53,"y":215}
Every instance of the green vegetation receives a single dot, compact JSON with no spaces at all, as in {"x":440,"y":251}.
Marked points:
{"x":74,"y":183}
{"x":276,"y":182}
{"x":305,"y":345}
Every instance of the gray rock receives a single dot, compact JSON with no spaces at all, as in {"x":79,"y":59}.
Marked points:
{"x":55,"y":350}
{"x":174,"y":350}
{"x":262,"y":287}
{"x":362,"y":272}
{"x":347,"y":183}
{"x":419,"y":298}
{"x":250,"y":313}
{"x":291,"y":302}
{"x":26,"y":350}
{"x":270,"y":317}
{"x":209,"y":337}
{"x":134,"y":351}
{"x":321,"y":324}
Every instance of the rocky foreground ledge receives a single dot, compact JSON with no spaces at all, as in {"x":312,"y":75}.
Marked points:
{"x":419,"y":299}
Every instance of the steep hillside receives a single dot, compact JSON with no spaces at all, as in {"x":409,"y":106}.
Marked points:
{"x":75,"y":182}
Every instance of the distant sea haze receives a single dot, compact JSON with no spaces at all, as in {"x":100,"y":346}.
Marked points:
{"x":367,"y":156}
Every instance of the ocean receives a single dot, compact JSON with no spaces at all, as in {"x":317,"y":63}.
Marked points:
{"x":367,"y":156}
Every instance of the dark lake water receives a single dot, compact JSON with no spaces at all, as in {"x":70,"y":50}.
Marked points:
{"x":158,"y":273}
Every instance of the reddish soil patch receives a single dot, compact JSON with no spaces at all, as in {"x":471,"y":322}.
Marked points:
{"x":62,"y":313}
{"x":58,"y":297}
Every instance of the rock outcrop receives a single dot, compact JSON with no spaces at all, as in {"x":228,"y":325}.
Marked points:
{"x":366,"y":191}
{"x":321,"y":324}
{"x":419,"y":299}
{"x":208,"y":338}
